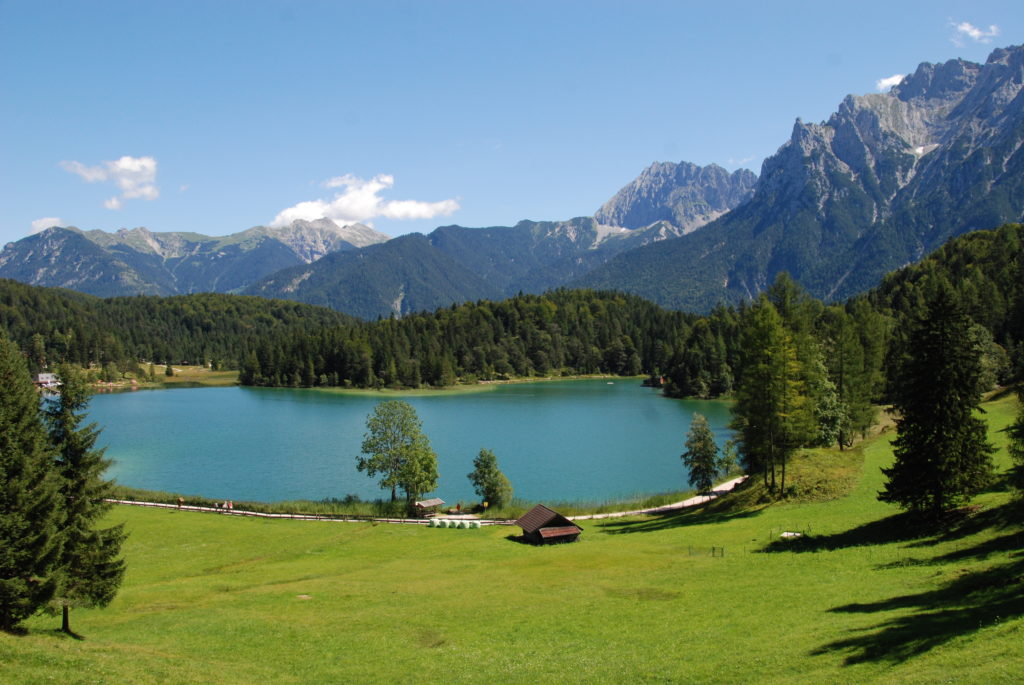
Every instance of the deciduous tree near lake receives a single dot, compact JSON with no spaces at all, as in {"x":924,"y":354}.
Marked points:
{"x":91,"y":567}
{"x":30,"y":512}
{"x":701,"y":455}
{"x":395,"y":447}
{"x":942,"y":456}
{"x":491,"y":485}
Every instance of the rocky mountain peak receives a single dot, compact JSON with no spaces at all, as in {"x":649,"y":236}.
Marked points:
{"x":683,"y":194}
{"x":313,"y":239}
{"x":946,"y":81}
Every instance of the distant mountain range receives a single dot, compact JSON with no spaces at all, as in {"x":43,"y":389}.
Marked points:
{"x":889,"y":177}
{"x":454,"y":264}
{"x":359,"y":271}
{"x":139,"y":261}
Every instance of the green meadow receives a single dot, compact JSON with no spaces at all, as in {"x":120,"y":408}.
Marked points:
{"x":864,"y":596}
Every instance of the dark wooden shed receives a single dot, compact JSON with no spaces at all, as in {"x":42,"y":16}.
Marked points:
{"x":542,"y":526}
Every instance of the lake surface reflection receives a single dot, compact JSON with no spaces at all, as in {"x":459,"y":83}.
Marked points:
{"x":571,"y":440}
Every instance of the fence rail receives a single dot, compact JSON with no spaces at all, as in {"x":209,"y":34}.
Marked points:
{"x":339,"y":518}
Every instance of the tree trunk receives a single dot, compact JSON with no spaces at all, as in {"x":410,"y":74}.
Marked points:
{"x":783,"y":490}
{"x":65,"y":623}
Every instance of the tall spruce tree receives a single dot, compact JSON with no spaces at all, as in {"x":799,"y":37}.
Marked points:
{"x":30,"y":511}
{"x":942,"y":456}
{"x":701,"y":455}
{"x":771,"y":414}
{"x":91,"y":567}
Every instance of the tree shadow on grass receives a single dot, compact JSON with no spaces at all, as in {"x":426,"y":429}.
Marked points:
{"x":960,"y":607}
{"x":963,"y":605}
{"x":970,"y":521}
{"x":694,"y":516}
{"x":907,"y":527}
{"x":896,"y":528}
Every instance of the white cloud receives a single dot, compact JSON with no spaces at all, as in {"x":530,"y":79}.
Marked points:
{"x":134,"y":176}
{"x":967,"y":30}
{"x":358,"y":200}
{"x":884,"y":84}
{"x":45,"y":223}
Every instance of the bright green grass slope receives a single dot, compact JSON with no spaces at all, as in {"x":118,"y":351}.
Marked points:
{"x":230,"y":600}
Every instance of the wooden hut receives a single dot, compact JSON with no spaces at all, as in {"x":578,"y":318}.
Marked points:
{"x":428,"y":506}
{"x":543,"y":526}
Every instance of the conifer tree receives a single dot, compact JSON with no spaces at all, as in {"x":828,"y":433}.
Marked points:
{"x":701,"y":455}
{"x":771,"y":413}
{"x":942,"y":456}
{"x":491,"y":485}
{"x":91,"y":570}
{"x":29,"y":506}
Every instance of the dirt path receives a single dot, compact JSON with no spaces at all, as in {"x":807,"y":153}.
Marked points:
{"x":692,"y":502}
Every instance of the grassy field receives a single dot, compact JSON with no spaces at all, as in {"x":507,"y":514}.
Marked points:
{"x":466,"y":389}
{"x":194,"y":376}
{"x":863,"y":597}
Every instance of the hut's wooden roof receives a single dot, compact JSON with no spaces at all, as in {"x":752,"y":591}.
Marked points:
{"x":435,"y":502}
{"x":560,"y":531}
{"x":542,"y":517}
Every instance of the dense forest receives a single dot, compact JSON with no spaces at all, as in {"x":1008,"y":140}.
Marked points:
{"x":53,"y":325}
{"x":844,"y":349}
{"x":560,"y":333}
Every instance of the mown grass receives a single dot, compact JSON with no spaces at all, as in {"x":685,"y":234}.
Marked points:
{"x":865,"y":596}
{"x":465,"y":387}
{"x":195,"y":377}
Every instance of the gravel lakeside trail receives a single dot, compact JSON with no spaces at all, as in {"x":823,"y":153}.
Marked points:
{"x":691,"y":502}
{"x":719,"y":490}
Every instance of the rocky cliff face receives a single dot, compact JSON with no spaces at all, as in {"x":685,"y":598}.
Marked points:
{"x":887,"y":178}
{"x":684,"y":195}
{"x":139,"y":261}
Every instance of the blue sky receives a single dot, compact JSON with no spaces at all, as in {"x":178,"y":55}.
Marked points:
{"x":217,"y":116}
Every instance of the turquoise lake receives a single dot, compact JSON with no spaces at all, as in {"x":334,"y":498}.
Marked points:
{"x":574,"y":440}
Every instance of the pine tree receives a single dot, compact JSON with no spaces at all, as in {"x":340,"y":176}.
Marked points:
{"x":942,"y":456}
{"x":29,"y":506}
{"x":491,"y":485}
{"x":701,"y":455}
{"x":91,"y":570}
